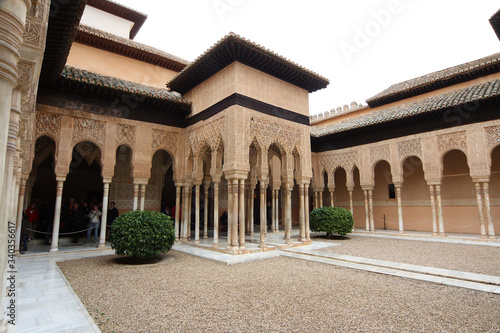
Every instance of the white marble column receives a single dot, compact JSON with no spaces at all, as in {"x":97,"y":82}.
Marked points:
{"x":275,"y":219}
{"x":306,"y":198}
{"x":20,"y":209}
{"x":316,"y":201}
{"x":177,"y":208}
{"x":367,"y":211}
{"x":197,"y":214}
{"x":331,"y":199}
{"x":439,"y":210}
{"x":487,"y":206}
{"x":288,"y":213}
{"x":433,"y":210}
{"x":104,"y":216}
{"x":302,"y":220}
{"x":400,"y":207}
{"x":234,"y":218}
{"x":143,"y":196}
{"x":479,"y":198}
{"x":216,"y":213}
{"x":136,"y":197}
{"x":189,"y":210}
{"x":263,"y":216}
{"x":242,"y":213}
{"x":351,"y":207}
{"x":370,"y":204}
{"x":185,"y":218}
{"x":320,"y":195}
{"x":251,"y":222}
{"x":206,"y":186}
{"x":229,"y":211}
{"x":54,"y":247}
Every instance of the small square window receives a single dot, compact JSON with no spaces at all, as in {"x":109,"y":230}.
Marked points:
{"x":392,"y":191}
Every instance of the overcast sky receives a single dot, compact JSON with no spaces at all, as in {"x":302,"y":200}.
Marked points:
{"x":361,"y":46}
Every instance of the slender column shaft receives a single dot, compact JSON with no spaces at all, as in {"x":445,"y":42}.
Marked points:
{"x":251,"y":214}
{"x":234,"y":227}
{"x":197,"y":214}
{"x":331,"y":199}
{"x":320,"y":195}
{"x":216,"y":214}
{"x":302,"y":218}
{"x":370,"y":202}
{"x":136,"y":197}
{"x":205,"y":211}
{"x":351,"y":207}
{"x":104,"y":216}
{"x":54,"y":247}
{"x":273,"y":210}
{"x":439,"y":210}
{"x":262,"y":215}
{"x":315,"y":200}
{"x":189,"y":211}
{"x":479,"y":198}
{"x":491,"y":229}
{"x":242,"y":214}
{"x":367,"y":211}
{"x":277,"y":209}
{"x":185,"y":213}
{"x":20,"y":208}
{"x":229,"y":211}
{"x":433,"y":209}
{"x":400,"y":208}
{"x":288,"y":214}
{"x":306,"y":198}
{"x":177,"y":208}
{"x":143,"y":196}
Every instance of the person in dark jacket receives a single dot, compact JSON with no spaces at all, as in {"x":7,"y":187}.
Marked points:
{"x":76,"y":220}
{"x":112,"y":215}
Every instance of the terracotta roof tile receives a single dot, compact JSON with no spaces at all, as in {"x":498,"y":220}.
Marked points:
{"x":436,"y":80}
{"x":455,"y":98}
{"x":95,"y":79}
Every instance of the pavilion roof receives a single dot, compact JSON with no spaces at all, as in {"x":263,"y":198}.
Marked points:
{"x":495,"y":23}
{"x":233,"y":48}
{"x":437,"y":80}
{"x":109,"y":42}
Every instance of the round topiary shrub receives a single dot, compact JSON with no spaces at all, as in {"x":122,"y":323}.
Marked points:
{"x":142,"y":234}
{"x":333,"y":220}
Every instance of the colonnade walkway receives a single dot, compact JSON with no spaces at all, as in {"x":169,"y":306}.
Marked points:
{"x":47,"y":303}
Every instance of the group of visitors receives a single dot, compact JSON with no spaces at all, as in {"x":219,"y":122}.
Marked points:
{"x":76,"y":218}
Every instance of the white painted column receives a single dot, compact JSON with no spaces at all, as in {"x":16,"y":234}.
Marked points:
{"x":242,"y":213}
{"x":302,"y":218}
{"x":185,"y":212}
{"x":433,"y":209}
{"x":104,"y":216}
{"x":306,"y":199}
{"x":136,"y":197}
{"x":251,"y":213}
{"x":54,"y":247}
{"x":143,"y":196}
{"x":229,"y":211}
{"x":491,"y":229}
{"x":274,"y":201}
{"x":216,"y":214}
{"x":206,"y":185}
{"x":331,"y":199}
{"x":189,"y":210}
{"x":439,"y":210}
{"x":370,"y":203}
{"x":197,"y":214}
{"x":367,"y":211}
{"x":177,"y":208}
{"x":479,"y":198}
{"x":20,"y":209}
{"x":400,"y":207}
{"x":316,"y":201}
{"x":351,"y":207}
{"x":234,"y":226}
{"x":320,"y":195}
{"x":262,"y":243}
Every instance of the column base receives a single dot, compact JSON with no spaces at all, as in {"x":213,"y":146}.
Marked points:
{"x":302,"y":240}
{"x":216,"y":245}
{"x":54,"y":250}
{"x":197,"y":241}
{"x":492,"y":237}
{"x":242,"y":247}
{"x":288,"y":242}
{"x":401,"y":232}
{"x":102,"y":246}
{"x":234,"y":250}
{"x":262,"y":245}
{"x":434,"y":234}
{"x":205,"y":236}
{"x":442,"y":234}
{"x":251,"y":234}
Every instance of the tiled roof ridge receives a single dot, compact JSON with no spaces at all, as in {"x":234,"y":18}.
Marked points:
{"x":437,"y":76}
{"x":130,"y":43}
{"x":127,"y":7}
{"x":84,"y":76}
{"x":454,"y":98}
{"x":337,"y":112}
{"x":249,"y":42}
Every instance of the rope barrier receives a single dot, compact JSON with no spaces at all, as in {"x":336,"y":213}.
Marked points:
{"x":61,"y":233}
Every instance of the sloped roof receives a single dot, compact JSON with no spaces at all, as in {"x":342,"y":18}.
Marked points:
{"x":440,"y":79}
{"x":479,"y":92}
{"x":495,"y":23}
{"x":98,"y":80}
{"x":233,"y":48}
{"x":121,"y":11}
{"x":109,"y":42}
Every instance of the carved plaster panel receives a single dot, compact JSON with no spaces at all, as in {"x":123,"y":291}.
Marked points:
{"x":268,"y":132}
{"x":89,"y":129}
{"x":457,"y":140}
{"x":164,"y":140}
{"x":492,"y":136}
{"x":47,"y":124}
{"x":345,"y":160}
{"x":380,"y":153}
{"x":125,"y":134}
{"x":411,"y":147}
{"x":209,"y":133}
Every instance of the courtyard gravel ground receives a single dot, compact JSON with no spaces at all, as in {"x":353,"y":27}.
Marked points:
{"x":182,"y":293}
{"x":460,"y":257}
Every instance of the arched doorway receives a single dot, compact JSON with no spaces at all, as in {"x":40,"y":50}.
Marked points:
{"x":460,"y":213}
{"x":160,"y":191}
{"x":122,"y":185}
{"x":385,"y":211}
{"x":341,"y":193}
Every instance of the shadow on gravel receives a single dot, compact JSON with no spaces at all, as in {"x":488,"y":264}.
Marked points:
{"x":129,"y":260}
{"x":334,"y":237}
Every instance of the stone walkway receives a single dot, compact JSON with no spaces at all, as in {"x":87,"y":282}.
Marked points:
{"x":47,"y":303}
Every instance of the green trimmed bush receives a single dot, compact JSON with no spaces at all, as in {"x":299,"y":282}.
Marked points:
{"x":333,"y":220}
{"x":142,"y":234}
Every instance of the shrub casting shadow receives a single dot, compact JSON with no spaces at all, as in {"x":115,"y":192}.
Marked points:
{"x":332,"y":237}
